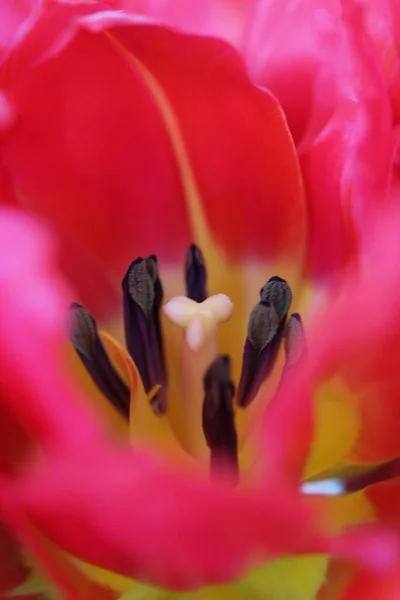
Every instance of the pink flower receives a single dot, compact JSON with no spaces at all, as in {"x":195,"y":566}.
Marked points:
{"x":130,"y":137}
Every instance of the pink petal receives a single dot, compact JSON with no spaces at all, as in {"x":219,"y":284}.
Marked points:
{"x":395,"y":9}
{"x":347,"y":169}
{"x":221,"y":18}
{"x":382,"y":24}
{"x":49,"y":423}
{"x":354,"y":337}
{"x":55,"y":566}
{"x":27,"y":263}
{"x":12,"y":14}
{"x":283,"y":52}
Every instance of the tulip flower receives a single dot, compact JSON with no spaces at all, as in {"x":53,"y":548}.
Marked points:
{"x":135,"y":140}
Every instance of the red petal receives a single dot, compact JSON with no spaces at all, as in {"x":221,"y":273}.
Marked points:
{"x":259,"y":210}
{"x":280,"y":45}
{"x":15,"y":443}
{"x":385,"y":498}
{"x":12,"y":569}
{"x":367,"y":586}
{"x":111,"y":162}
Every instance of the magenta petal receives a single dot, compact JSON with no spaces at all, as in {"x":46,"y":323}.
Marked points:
{"x":143,"y":520}
{"x":284,"y":51}
{"x":221,"y":18}
{"x":347,"y":169}
{"x":32,"y":334}
{"x":353,"y":339}
{"x":12,"y":14}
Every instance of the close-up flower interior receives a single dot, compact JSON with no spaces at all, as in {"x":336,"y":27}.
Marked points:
{"x":199,"y":299}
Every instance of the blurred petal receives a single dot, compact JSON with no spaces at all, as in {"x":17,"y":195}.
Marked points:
{"x":282,"y":49}
{"x":58,"y":569}
{"x":381,"y":23}
{"x":16,"y":445}
{"x":28,"y":265}
{"x":385,"y":498}
{"x":347,"y":170}
{"x":12,"y":14}
{"x":347,"y":339}
{"x":221,"y":18}
{"x":12,"y":568}
{"x":371,"y":587}
{"x":337,"y":578}
{"x":102,"y":502}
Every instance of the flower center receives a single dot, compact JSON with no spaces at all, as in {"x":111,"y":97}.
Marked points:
{"x":206,"y":388}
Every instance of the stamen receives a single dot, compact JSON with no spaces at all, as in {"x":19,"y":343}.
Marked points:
{"x":373,"y":474}
{"x":263,"y":325}
{"x":266,"y":325}
{"x":277,"y":292}
{"x":84,"y":336}
{"x":143,"y":295}
{"x":354,"y":479}
{"x":219,"y":421}
{"x":195,"y":274}
{"x":294,"y":340}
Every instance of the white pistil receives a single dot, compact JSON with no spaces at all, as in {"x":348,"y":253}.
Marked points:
{"x":198,"y":349}
{"x":199,"y":319}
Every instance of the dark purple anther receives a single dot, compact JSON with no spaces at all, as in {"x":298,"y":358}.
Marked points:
{"x":143,"y":294}
{"x":264,"y":336}
{"x":84,"y":336}
{"x":195,"y":275}
{"x":219,"y":421}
